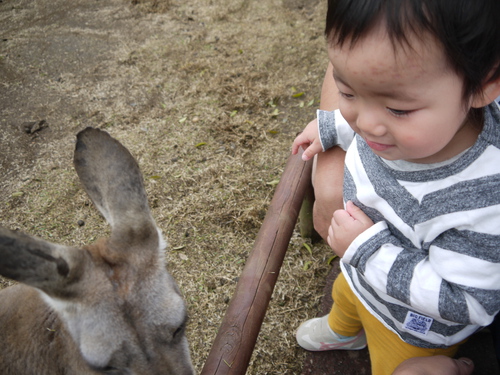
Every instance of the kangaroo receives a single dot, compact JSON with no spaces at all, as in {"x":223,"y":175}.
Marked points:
{"x":106,"y":308}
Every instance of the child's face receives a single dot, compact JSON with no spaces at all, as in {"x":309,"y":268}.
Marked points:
{"x":407,"y":104}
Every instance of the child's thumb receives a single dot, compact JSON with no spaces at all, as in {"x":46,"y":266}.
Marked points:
{"x":306,"y":155}
{"x":353,"y":210}
{"x":351,"y":206}
{"x":310,"y":151}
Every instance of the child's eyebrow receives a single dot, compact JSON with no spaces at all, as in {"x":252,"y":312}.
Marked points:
{"x":337,"y":78}
{"x":389,"y":94}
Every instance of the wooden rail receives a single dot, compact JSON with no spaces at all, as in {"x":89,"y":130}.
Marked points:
{"x":233,"y":346}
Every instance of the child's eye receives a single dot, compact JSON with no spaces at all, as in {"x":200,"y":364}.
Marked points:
{"x":346,"y":96}
{"x":398,"y":112}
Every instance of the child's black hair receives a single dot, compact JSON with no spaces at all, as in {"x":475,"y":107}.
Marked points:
{"x":469,"y":30}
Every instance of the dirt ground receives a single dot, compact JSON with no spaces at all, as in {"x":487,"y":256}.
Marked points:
{"x":208,"y":96}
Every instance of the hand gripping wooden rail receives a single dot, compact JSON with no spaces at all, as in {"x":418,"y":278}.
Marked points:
{"x":232,"y":348}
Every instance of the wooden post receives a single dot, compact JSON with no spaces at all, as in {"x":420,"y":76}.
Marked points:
{"x":237,"y":335}
{"x":306,"y":214}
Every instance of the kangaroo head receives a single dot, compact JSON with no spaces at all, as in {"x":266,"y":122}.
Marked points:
{"x":123,"y":311}
{"x":123,"y":318}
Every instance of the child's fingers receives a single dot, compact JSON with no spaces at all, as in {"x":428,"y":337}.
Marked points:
{"x":299,"y":141}
{"x":313,"y":149}
{"x":330,"y":236}
{"x":357,"y":213}
{"x":341,"y":217}
{"x":295,"y":148}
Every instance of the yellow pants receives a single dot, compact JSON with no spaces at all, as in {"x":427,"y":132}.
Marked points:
{"x":387,"y":350}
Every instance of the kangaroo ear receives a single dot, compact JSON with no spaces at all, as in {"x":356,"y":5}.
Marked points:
{"x":39,"y":263}
{"x":112,"y":179}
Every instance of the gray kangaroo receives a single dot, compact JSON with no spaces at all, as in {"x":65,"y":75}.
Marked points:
{"x":106,"y":308}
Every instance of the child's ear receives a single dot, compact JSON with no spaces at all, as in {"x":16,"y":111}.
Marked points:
{"x":490,"y":91}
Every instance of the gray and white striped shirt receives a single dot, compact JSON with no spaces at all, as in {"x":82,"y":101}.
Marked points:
{"x":429,"y":269}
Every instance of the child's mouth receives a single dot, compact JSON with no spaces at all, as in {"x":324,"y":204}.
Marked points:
{"x":378,"y":146}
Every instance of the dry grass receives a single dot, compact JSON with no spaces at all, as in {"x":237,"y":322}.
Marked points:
{"x":202,"y":94}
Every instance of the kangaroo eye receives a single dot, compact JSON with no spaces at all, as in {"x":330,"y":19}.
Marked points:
{"x":182,"y":327}
{"x":110,"y":370}
{"x":179,"y":330}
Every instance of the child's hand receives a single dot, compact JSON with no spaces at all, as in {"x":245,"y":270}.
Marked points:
{"x":346,"y":225}
{"x":309,"y":140}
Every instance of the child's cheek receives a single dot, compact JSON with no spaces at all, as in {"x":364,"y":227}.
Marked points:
{"x":349,"y":113}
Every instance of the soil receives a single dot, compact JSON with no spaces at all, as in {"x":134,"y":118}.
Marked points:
{"x":208,"y":96}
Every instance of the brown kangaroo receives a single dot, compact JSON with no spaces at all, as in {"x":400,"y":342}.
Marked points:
{"x":106,"y":308}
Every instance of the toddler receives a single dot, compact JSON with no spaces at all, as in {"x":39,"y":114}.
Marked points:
{"x":419,"y":238}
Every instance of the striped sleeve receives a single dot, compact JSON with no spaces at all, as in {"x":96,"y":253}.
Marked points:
{"x":334,"y":130}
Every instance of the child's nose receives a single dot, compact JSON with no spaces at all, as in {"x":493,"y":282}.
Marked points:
{"x":368,"y":122}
